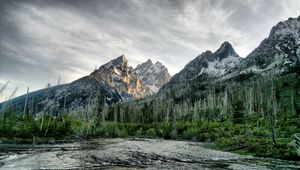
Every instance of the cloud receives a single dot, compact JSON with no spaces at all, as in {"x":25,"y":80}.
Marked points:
{"x":41,"y":40}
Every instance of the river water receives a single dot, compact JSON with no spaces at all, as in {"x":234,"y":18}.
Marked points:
{"x":129,"y":153}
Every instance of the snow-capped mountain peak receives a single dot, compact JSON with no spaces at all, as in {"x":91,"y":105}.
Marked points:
{"x":210,"y":64}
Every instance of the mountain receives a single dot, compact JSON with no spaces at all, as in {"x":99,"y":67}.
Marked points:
{"x":75,"y":96}
{"x":142,"y":81}
{"x":153,"y":75}
{"x":208,"y":65}
{"x":110,"y":83}
{"x":118,"y":75}
{"x":279,"y":52}
{"x":276,"y":54}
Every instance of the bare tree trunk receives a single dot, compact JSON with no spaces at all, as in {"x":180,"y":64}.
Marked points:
{"x":250,"y":100}
{"x":58,"y":82}
{"x":10,"y":97}
{"x":225,"y":103}
{"x":3,"y":87}
{"x":65,"y":102}
{"x":25,"y":105}
{"x":41,"y":127}
{"x":195,"y":111}
{"x":174,"y":118}
{"x":245,"y":112}
{"x":274,"y":113}
{"x":32,"y":106}
{"x":48,"y":126}
{"x":292,"y":102}
{"x":115,"y":113}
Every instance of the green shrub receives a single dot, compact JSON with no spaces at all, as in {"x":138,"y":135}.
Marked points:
{"x":139,"y":132}
{"x":261,"y":132}
{"x":151,"y":132}
{"x":120,"y":132}
{"x":173,"y":134}
{"x":190,"y":133}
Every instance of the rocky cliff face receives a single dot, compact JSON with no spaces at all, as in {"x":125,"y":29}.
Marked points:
{"x":210,"y":64}
{"x":277,"y":53}
{"x":118,"y":75}
{"x":154,"y":76}
{"x":144,"y":80}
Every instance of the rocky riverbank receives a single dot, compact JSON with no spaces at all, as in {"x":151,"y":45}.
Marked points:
{"x":130,"y":153}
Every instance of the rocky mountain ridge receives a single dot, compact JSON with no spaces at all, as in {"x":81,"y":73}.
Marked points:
{"x":154,"y":75}
{"x":212,"y":65}
{"x":112,"y":82}
{"x":142,"y":81}
{"x":278,"y":53}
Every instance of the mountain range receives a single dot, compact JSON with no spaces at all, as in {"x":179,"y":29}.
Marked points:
{"x":278,"y":53}
{"x":117,"y":81}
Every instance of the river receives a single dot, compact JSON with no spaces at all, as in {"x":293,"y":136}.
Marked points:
{"x":130,"y":153}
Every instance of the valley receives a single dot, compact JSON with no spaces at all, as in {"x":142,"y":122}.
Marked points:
{"x":123,"y":117}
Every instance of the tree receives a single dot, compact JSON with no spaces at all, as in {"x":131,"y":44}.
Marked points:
{"x":272,"y":105}
{"x":238,"y":111}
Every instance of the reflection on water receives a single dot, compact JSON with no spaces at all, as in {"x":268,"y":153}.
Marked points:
{"x":128,"y":154}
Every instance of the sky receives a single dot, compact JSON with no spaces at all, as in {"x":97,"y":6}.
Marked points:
{"x":42,"y":40}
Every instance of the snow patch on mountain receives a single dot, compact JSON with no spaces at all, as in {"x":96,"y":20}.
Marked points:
{"x":219,"y":68}
{"x":277,"y":53}
{"x":210,"y":64}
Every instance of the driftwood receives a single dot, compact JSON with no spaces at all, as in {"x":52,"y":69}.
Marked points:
{"x":74,"y":138}
{"x":27,"y":147}
{"x":296,"y":143}
{"x":243,"y":146}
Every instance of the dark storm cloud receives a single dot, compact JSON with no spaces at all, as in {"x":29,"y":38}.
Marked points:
{"x":42,"y":39}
